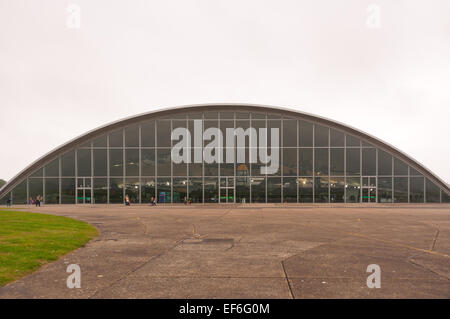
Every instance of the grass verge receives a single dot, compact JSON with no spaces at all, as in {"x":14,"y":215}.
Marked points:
{"x":29,"y":240}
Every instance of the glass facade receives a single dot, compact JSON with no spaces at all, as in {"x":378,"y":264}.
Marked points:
{"x":317,"y":164}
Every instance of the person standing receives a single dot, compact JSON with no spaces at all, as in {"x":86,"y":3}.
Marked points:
{"x":127,"y":200}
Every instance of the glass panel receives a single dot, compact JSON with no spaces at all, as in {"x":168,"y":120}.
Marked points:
{"x":38,"y":173}
{"x":274,"y":190}
{"x":400,"y":168}
{"x":132,"y":162}
{"x":116,"y":191}
{"x":148,"y":134}
{"x":84,"y":162}
{"x":132,"y":136}
{"x":276,"y":126}
{"x":384,"y":163}
{"x":180,"y":190}
{"x":164,"y":161}
{"x":226,"y":115}
{"x":400,"y":189}
{"x":433,"y":192}
{"x":67,"y":191}
{"x":51,"y":191}
{"x":290,"y":190}
{"x":100,"y":188}
{"x":196,"y":190}
{"x":115,"y":162}
{"x":197,"y":116}
{"x":163,"y":133}
{"x":336,"y":138}
{"x":352,"y":141}
{"x":258,"y":116}
{"x":243,"y":186}
{"x":132,"y":189}
{"x":305,"y":190}
{"x":227,"y":169}
{"x":353,"y":161}
{"x":148,"y":190}
{"x":20,"y":194}
{"x":337,"y":161}
{"x":211,"y":190}
{"x":100,"y":141}
{"x":321,"y":190}
{"x":320,"y":135}
{"x":416,"y":192}
{"x":211,"y":115}
{"x":164,"y":190}
{"x":35,"y":187}
{"x":100,"y":162}
{"x":68,"y":164}
{"x":148,"y":162}
{"x":52,"y":169}
{"x":241,"y":115}
{"x":289,"y":133}
{"x":413,"y":172}
{"x":353,"y":188}
{"x":337,"y":190}
{"x":445,"y":197}
{"x":116,"y":139}
{"x":305,"y":134}
{"x":305,"y":162}
{"x":369,"y":161}
{"x":290,"y":162}
{"x":321,"y":161}
{"x":196,"y":169}
{"x":385,"y":189}
{"x":258,"y":189}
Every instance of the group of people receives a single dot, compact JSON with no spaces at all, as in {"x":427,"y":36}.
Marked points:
{"x":128,"y":202}
{"x":37,"y":201}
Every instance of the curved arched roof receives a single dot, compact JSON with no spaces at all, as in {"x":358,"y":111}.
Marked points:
{"x":222,"y":107}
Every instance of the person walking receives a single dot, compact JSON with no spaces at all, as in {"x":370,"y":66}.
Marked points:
{"x":127,"y":200}
{"x":37,"y":201}
{"x":8,"y":202}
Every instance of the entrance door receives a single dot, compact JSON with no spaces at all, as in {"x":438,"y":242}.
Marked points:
{"x":226,"y":190}
{"x":84,"y":190}
{"x":369,"y":189}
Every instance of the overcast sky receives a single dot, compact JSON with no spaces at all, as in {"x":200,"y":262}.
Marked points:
{"x":384,"y":69}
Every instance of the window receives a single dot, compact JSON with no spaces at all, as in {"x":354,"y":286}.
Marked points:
{"x":433,"y":192}
{"x":68,"y":164}
{"x":100,"y":188}
{"x":336,"y":138}
{"x":320,"y":136}
{"x":384,"y":163}
{"x":400,"y":189}
{"x":148,"y":134}
{"x":289,"y":133}
{"x":84,"y":162}
{"x":164,"y":161}
{"x":196,"y":190}
{"x":116,"y":191}
{"x":416,"y":191}
{"x":258,"y":189}
{"x":180,"y":186}
{"x":100,"y":162}
{"x":148,"y":162}
{"x":353,"y":161}
{"x":337,"y":189}
{"x":337,"y":161}
{"x":369,"y":161}
{"x":400,"y":168}
{"x":321,"y":161}
{"x":132,"y":136}
{"x":52,"y":169}
{"x":290,"y":162}
{"x":305,"y":134}
{"x":148,"y":186}
{"x":353,"y":190}
{"x":305,"y":162}
{"x":385,"y":189}
{"x":163,"y":133}
{"x":274,"y":190}
{"x":321,"y":190}
{"x":290,"y":190}
{"x":132,"y":162}
{"x":305,"y":190}
{"x":116,"y":139}
{"x":51,"y":191}
{"x":115,"y":162}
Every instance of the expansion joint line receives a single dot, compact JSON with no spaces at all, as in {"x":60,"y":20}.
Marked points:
{"x":287,"y":280}
{"x":435,"y":239}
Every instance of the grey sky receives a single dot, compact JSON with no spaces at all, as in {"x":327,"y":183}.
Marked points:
{"x":131,"y":57}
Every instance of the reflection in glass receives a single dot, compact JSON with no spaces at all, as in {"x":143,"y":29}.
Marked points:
{"x":35,"y":187}
{"x":321,"y":161}
{"x":196,"y":190}
{"x":132,"y":189}
{"x":336,"y":138}
{"x":337,"y":190}
{"x":290,"y":162}
{"x":84,"y":162}
{"x":305,"y":162}
{"x":400,"y":189}
{"x":321,"y":190}
{"x":384,"y":163}
{"x":274,"y":190}
{"x":100,"y":162}
{"x":132,"y":136}
{"x":196,"y":169}
{"x":336,"y":161}
{"x":433,"y":192}
{"x":147,"y":190}
{"x":320,"y":135}
{"x":289,"y":189}
{"x":116,"y":139}
{"x":289,"y":133}
{"x":115,"y":162}
{"x":20,"y":193}
{"x":163,"y":133}
{"x":211,"y":190}
{"x":352,"y":141}
{"x":369,"y":161}
{"x":353,"y":161}
{"x":52,"y":169}
{"x":100,"y":188}
{"x":67,"y":191}
{"x":100,"y":141}
{"x":68,"y":164}
{"x":416,"y":191}
{"x":385,"y":189}
{"x":148,"y":162}
{"x":116,"y":191}
{"x":164,"y":161}
{"x":180,"y":190}
{"x":51,"y":191}
{"x":258,"y":189}
{"x":305,"y":134}
{"x":400,"y":168}
{"x":148,"y":134}
{"x":353,"y":189}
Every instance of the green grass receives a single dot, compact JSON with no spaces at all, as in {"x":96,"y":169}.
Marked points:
{"x":29,"y":240}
